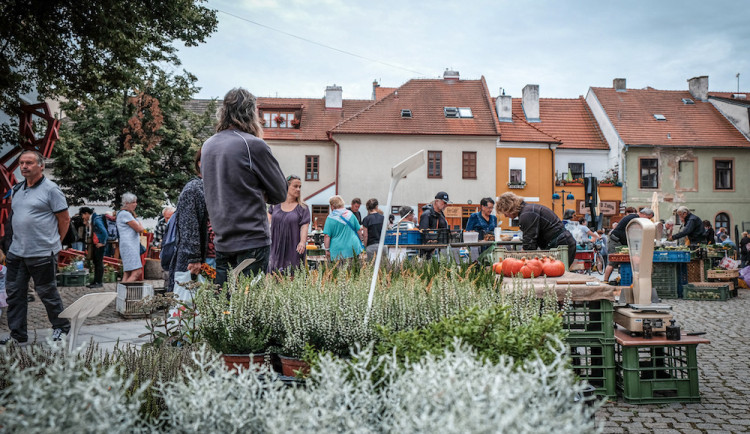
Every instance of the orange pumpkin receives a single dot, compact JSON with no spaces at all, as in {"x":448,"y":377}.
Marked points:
{"x":554,"y":269}
{"x":511,"y":267}
{"x":498,"y":267}
{"x":526,"y":271}
{"x":536,"y":267}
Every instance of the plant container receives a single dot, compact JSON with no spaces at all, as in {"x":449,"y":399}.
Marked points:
{"x":291,"y":366}
{"x":235,"y":361}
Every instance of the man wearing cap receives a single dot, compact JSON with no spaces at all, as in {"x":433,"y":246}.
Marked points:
{"x":618,"y":236}
{"x":692,"y":227}
{"x":433,"y":218}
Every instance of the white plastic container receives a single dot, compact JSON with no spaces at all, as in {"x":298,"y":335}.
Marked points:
{"x":471,"y":237}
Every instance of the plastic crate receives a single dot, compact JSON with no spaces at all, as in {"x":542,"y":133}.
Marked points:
{"x":589,"y":320}
{"x":657,"y":374}
{"x":723,"y":274}
{"x":695,"y":270}
{"x":436,"y":236}
{"x":406,"y":237}
{"x":619,"y":257}
{"x":665,"y":280}
{"x":560,"y":253}
{"x":75,"y":278}
{"x":712,"y":291}
{"x":626,"y":274}
{"x":594,"y":361}
{"x":671,"y":256}
{"x":128,"y":296}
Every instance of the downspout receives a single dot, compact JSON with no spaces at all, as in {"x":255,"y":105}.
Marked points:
{"x":552,"y":148}
{"x":338,"y":151}
{"x":624,"y":172}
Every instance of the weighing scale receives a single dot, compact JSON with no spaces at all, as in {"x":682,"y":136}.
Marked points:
{"x":636,"y":307}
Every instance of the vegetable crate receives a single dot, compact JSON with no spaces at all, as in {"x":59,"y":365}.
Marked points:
{"x":560,"y":253}
{"x":695,"y":271}
{"x":713,"y":291}
{"x":723,"y":274}
{"x":594,"y":361}
{"x":128,"y":296}
{"x":658,"y":374}
{"x":619,"y":257}
{"x":589,"y":320}
{"x":671,"y":256}
{"x":73,"y":278}
{"x":665,"y":279}
{"x":404,"y":237}
{"x":626,"y":274}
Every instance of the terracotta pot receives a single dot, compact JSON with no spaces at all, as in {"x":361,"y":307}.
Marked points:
{"x":234,"y":361}
{"x":290,"y":366}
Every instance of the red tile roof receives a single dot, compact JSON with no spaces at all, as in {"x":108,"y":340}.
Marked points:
{"x":426,"y":99}
{"x":730,"y":96}
{"x":315,"y":122}
{"x":382,"y":92}
{"x":686,"y":125}
{"x":522,"y":131}
{"x":571,"y":121}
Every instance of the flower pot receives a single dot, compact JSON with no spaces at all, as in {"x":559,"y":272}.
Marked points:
{"x":606,"y":184}
{"x":290,"y":366}
{"x":235,"y":361}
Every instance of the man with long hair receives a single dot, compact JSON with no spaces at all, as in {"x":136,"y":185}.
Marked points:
{"x":240,"y":174}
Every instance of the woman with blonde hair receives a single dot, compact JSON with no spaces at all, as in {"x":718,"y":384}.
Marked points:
{"x":341,"y":232}
{"x":290,"y":221}
{"x":541,"y":228}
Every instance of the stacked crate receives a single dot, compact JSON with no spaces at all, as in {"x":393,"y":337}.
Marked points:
{"x":712,"y":291}
{"x":590,"y":326}
{"x":731,"y":277}
{"x":129,"y":296}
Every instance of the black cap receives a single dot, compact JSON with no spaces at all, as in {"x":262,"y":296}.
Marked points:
{"x":442,"y":196}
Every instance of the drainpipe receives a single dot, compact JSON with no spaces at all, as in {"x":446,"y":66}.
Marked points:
{"x":552,"y":148}
{"x":338,"y":150}
{"x":624,"y":173}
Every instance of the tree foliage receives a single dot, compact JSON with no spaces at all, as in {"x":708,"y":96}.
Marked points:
{"x":142,"y":141}
{"x":83,"y":49}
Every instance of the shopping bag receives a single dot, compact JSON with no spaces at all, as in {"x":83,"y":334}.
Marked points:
{"x":181,"y":292}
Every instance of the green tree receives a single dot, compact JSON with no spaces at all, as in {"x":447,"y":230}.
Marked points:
{"x":89,"y":49}
{"x":142,"y":141}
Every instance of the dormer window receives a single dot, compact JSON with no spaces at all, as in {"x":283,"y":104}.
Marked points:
{"x":280,"y":119}
{"x":406,"y":113}
{"x":458,"y":112}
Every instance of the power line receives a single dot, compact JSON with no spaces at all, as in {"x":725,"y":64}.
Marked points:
{"x":349,"y":53}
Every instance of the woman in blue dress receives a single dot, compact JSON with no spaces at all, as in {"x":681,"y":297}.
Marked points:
{"x":130,"y":230}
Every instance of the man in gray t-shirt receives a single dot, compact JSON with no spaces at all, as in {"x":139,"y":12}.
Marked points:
{"x":39,"y":221}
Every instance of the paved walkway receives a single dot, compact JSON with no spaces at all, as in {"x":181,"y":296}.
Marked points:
{"x":724,"y":365}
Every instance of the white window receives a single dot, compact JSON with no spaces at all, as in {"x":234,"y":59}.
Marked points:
{"x":516,"y":170}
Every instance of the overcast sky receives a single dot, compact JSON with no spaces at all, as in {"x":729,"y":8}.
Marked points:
{"x":563,"y":46}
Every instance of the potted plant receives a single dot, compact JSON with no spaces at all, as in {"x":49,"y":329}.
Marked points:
{"x":610,"y":177}
{"x":280,"y":120}
{"x":517,"y":184}
{"x":233,"y":324}
{"x":295,"y":123}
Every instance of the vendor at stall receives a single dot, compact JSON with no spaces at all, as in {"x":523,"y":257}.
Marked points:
{"x":692,"y":227}
{"x":433,"y":217}
{"x":483,"y":221}
{"x":540,"y":226}
{"x":618,"y":236}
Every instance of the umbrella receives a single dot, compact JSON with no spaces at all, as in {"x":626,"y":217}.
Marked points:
{"x":655,"y":206}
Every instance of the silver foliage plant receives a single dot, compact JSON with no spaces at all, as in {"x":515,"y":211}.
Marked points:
{"x":453,"y":393}
{"x":68,"y":396}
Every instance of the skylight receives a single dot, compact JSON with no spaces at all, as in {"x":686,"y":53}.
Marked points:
{"x":660,"y":117}
{"x":458,"y":112}
{"x":405,"y":113}
{"x":687,"y":101}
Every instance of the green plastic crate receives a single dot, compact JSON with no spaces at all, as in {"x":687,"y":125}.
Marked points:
{"x":717,"y":293}
{"x":657,"y":374}
{"x":594,"y":361}
{"x":589,"y":320}
{"x":73,"y":279}
{"x":665,"y":279}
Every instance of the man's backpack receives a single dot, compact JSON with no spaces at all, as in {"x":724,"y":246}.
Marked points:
{"x":169,"y":243}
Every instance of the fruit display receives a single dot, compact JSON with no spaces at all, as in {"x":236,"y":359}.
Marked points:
{"x":529,"y":267}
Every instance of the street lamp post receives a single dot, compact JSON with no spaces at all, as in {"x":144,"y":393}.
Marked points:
{"x":557,"y":195}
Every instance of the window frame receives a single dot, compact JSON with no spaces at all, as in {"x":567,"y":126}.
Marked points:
{"x":312,"y":162}
{"x":583,"y":170}
{"x":269,"y":117}
{"x":640,"y":173}
{"x":731,"y":177}
{"x":716,"y":221}
{"x":469,"y":165}
{"x":435,"y":157}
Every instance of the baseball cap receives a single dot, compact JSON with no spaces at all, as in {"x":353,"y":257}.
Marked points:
{"x":442,"y":196}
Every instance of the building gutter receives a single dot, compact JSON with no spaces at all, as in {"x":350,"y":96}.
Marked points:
{"x":338,"y":152}
{"x":624,"y":173}
{"x":552,"y":148}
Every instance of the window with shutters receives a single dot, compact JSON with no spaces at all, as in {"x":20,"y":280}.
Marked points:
{"x":470,"y":165}
{"x":435,"y":164}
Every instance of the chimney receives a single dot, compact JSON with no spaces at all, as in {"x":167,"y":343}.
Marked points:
{"x":699,"y":87}
{"x":333,"y":97}
{"x":619,"y":84}
{"x":450,"y":75}
{"x":530,"y":102}
{"x":504,"y":107}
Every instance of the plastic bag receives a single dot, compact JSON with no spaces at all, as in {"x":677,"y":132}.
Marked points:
{"x":180,"y":292}
{"x":745,"y":274}
{"x":728,"y":263}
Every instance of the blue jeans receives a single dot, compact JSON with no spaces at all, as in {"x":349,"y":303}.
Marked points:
{"x":43,"y":270}
{"x":225,"y":260}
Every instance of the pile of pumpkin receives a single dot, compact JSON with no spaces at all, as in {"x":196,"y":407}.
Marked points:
{"x":529,"y":268}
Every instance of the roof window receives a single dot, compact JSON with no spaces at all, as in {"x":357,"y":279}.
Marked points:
{"x":458,"y":112}
{"x":660,"y":117}
{"x":405,"y":113}
{"x":687,"y":101}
